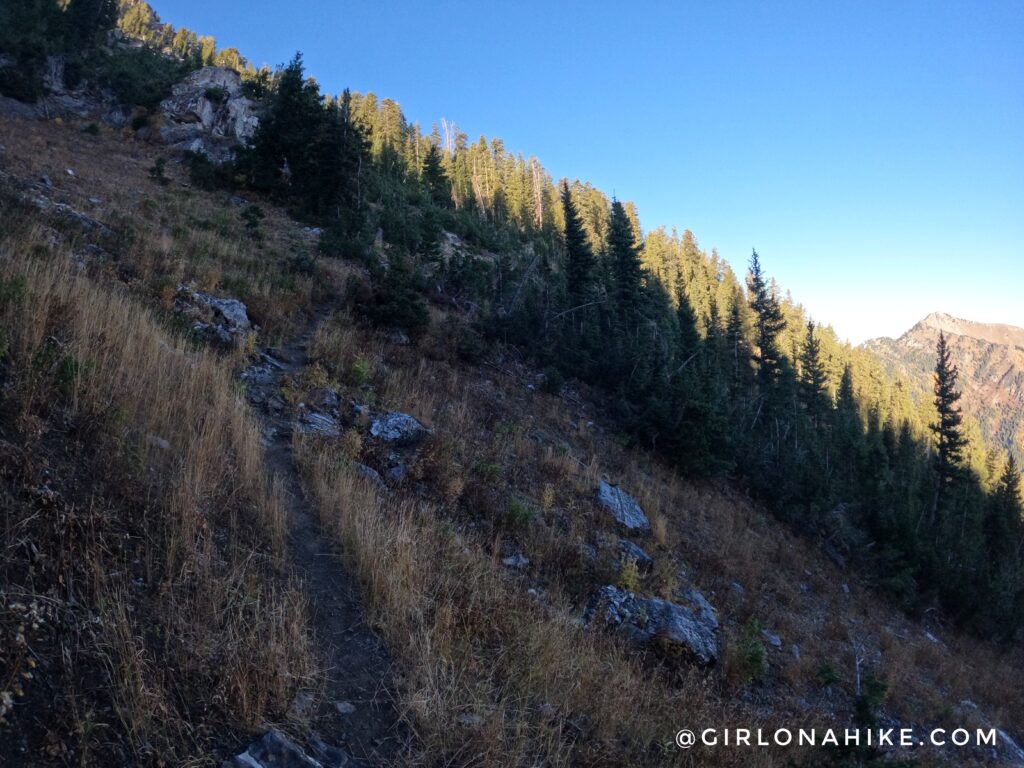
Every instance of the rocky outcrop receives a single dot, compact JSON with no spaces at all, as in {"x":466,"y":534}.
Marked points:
{"x":219,"y":320}
{"x":624,"y":508}
{"x":630,"y":551}
{"x":208,"y":112}
{"x":688,"y":628}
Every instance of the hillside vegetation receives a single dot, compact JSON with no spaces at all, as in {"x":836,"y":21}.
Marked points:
{"x":155,"y":608}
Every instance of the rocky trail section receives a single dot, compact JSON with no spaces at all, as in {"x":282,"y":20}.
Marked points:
{"x":352,"y":719}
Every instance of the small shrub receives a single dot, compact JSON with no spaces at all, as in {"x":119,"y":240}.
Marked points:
{"x":359,"y":372}
{"x":252,"y":215}
{"x":139,"y":122}
{"x":827,"y":674}
{"x":872,"y":695}
{"x":92,"y":129}
{"x":216,"y":94}
{"x":157,"y":172}
{"x":139,"y":76}
{"x":629,"y":575}
{"x":519,"y":513}
{"x":553,"y":380}
{"x":749,"y":660}
{"x":488,"y":471}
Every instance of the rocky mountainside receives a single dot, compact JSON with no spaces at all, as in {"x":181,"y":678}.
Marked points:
{"x":990,"y":358}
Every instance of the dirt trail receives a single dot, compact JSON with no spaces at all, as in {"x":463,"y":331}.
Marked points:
{"x":357,"y":666}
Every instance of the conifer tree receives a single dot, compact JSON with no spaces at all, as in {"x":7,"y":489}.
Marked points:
{"x":769,"y":319}
{"x":579,"y":258}
{"x":626,"y":272}
{"x":435,"y":180}
{"x":813,"y":378}
{"x":950,"y":442}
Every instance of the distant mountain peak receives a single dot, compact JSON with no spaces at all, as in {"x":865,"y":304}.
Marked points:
{"x":994,"y":333}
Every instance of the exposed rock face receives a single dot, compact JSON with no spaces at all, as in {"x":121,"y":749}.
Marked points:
{"x":221,"y":320}
{"x":399,"y":429}
{"x":623,"y":506}
{"x":689,"y":626}
{"x":990,"y":358}
{"x":208,"y":112}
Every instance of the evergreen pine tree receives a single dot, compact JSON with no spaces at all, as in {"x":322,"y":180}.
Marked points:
{"x":626,"y":272}
{"x":949,"y":439}
{"x":813,"y":378}
{"x":769,"y":319}
{"x":579,"y":257}
{"x":435,"y":180}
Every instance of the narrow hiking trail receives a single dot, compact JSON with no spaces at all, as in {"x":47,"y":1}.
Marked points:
{"x":355,"y":710}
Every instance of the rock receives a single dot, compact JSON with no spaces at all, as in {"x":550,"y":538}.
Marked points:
{"x":516,"y":561}
{"x":846,"y":589}
{"x":630,"y":551}
{"x":737,"y":588}
{"x":623,"y":507}
{"x":470,"y":720}
{"x":44,"y":179}
{"x":158,"y":442}
{"x":224,"y":320}
{"x":796,"y":651}
{"x":275,"y":750}
{"x":397,"y":473}
{"x":302,"y":706}
{"x":689,"y":626}
{"x":208,"y":112}
{"x":313,"y":423}
{"x":773,"y":640}
{"x":324,"y":399}
{"x":398,"y":428}
{"x":345,"y":707}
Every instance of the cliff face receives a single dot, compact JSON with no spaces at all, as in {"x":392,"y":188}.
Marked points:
{"x":990,"y":358}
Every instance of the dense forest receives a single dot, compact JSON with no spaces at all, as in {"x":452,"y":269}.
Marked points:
{"x":720,"y":375}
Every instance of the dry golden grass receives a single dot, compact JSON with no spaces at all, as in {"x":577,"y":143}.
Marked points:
{"x":195,"y":627}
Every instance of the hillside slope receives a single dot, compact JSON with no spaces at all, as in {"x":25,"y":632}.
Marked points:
{"x":990,"y":358}
{"x":478,"y":549}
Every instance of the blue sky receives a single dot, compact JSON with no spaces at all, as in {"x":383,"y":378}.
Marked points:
{"x":872,"y":152}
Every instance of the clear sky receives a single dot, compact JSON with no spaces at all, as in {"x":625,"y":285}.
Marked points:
{"x":872,"y":152}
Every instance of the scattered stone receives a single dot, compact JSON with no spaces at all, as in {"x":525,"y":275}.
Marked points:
{"x":71,"y":173}
{"x":158,"y":442}
{"x":773,"y":640}
{"x":470,"y":720}
{"x":623,"y":507}
{"x":398,"y":428}
{"x":932,"y":638}
{"x":45,"y":180}
{"x":345,"y":707}
{"x":399,"y":337}
{"x":312,"y":232}
{"x":737,"y":588}
{"x":846,"y":589}
{"x":516,"y":561}
{"x":804,"y":588}
{"x":689,"y":626}
{"x":796,"y":651}
{"x":630,"y":551}
{"x":329,"y":756}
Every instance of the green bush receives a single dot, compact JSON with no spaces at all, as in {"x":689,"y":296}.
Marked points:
{"x":748,"y":654}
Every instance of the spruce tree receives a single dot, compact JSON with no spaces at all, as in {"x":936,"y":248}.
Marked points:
{"x":435,"y":180}
{"x":769,"y":319}
{"x":579,"y":257}
{"x":813,"y":378}
{"x":626,"y":272}
{"x":949,"y":439}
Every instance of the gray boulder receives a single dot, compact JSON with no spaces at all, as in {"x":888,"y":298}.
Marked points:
{"x":223,"y":320}
{"x":275,"y":750}
{"x":623,"y":507}
{"x":398,"y":429}
{"x":689,"y":626}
